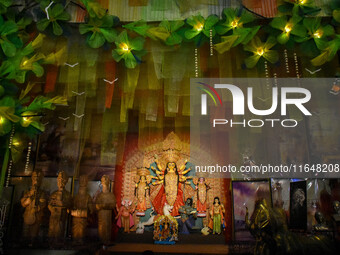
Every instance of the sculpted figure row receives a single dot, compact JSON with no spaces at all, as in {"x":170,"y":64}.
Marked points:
{"x":61,"y":203}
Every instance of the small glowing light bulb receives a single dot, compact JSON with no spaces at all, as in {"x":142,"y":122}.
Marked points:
{"x":124,"y":47}
{"x":25,"y":119}
{"x":16,"y":142}
{"x":302,"y":1}
{"x":1,"y":120}
{"x":24,"y":63}
{"x":234,"y":23}
{"x":317,"y":34}
{"x":260,"y":51}
{"x":288,"y":28}
{"x":199,"y":26}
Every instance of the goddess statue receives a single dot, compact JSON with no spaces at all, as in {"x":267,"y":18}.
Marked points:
{"x":34,"y":201}
{"x":59,"y":203}
{"x":201,"y":187}
{"x":170,"y":174}
{"x":82,"y":204}
{"x":105,"y":204}
{"x":142,"y":190}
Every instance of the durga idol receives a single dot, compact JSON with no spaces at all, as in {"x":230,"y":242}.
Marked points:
{"x":170,"y":174}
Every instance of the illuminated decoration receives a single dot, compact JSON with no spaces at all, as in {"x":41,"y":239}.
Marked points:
{"x":235,"y":23}
{"x":199,"y":26}
{"x":11,"y":161}
{"x":260,"y":51}
{"x":16,"y":142}
{"x":131,"y":50}
{"x":124,"y":47}
{"x":318,"y":34}
{"x":29,"y":149}
{"x":26,"y":119}
{"x":288,"y":28}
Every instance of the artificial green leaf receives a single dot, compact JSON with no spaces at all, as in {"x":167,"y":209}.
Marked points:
{"x":252,"y":61}
{"x":137,"y":43}
{"x":328,"y":30}
{"x":246,"y":37}
{"x":38,"y":125}
{"x":24,"y":22}
{"x":59,"y":100}
{"x":168,"y":32}
{"x":100,"y":31}
{"x":28,"y":88}
{"x":283,"y":38}
{"x":37,"y":69}
{"x":8,"y":48}
{"x":260,"y":49}
{"x":175,"y":25}
{"x":233,"y":19}
{"x":9,"y":27}
{"x":211,"y":21}
{"x":128,"y":49}
{"x":109,"y":34}
{"x":226,"y":44}
{"x":96,"y":40}
{"x":117,"y":56}
{"x":56,"y":13}
{"x":173,"y":39}
{"x":279,"y":22}
{"x":298,"y":7}
{"x":5,"y":125}
{"x":94,"y":8}
{"x":43,"y":24}
{"x":159,"y":32}
{"x":299,"y":31}
{"x":200,"y":26}
{"x":57,"y":30}
{"x":85,"y":28}
{"x":140,"y":27}
{"x":130,"y":61}
{"x":195,"y":20}
{"x":189,"y":34}
{"x":272,"y":56}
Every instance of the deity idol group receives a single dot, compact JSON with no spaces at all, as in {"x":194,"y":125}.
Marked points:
{"x":164,"y":187}
{"x":61,"y":204}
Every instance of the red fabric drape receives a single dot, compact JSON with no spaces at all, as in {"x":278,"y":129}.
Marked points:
{"x":110,"y":73}
{"x":51,"y":78}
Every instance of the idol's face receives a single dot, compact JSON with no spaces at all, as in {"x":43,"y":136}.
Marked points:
{"x":171,"y":165}
{"x":216,"y":201}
